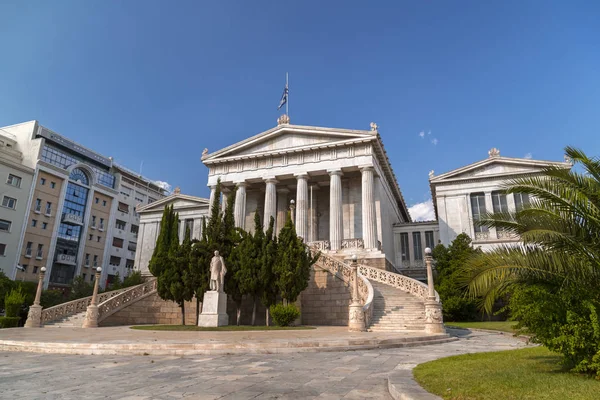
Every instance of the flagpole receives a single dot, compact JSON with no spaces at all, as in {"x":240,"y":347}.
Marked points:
{"x":287,"y":111}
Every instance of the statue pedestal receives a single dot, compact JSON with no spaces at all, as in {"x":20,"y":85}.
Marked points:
{"x":214,"y":310}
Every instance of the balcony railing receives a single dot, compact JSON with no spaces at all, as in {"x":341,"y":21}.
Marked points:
{"x":66,"y":259}
{"x":71,"y":219}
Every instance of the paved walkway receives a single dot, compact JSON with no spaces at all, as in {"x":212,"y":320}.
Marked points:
{"x":333,"y":375}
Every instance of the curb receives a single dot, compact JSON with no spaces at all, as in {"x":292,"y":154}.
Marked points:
{"x":522,"y":337}
{"x":185,"y":349}
{"x":402,"y":386}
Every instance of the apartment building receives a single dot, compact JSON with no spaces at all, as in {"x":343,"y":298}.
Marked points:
{"x":69,"y":221}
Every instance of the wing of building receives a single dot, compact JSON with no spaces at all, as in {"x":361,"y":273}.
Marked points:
{"x":344,"y":191}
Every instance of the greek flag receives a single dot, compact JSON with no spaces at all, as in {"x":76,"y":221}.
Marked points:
{"x":284,"y":97}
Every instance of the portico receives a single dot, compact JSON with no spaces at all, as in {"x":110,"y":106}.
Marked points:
{"x":345,"y":195}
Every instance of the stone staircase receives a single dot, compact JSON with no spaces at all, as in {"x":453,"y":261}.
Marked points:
{"x":396,"y":310}
{"x":71,"y":321}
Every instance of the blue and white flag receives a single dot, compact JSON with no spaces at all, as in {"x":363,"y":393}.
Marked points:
{"x":284,"y":97}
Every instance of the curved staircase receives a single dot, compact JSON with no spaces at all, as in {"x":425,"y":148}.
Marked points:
{"x":395,"y":310}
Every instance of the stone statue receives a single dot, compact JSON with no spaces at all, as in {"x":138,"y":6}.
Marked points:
{"x":204,"y":152}
{"x":374,"y":126}
{"x":217,"y":273}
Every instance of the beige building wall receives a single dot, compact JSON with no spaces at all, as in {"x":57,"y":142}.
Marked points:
{"x":47,"y":189}
{"x":95,"y":237}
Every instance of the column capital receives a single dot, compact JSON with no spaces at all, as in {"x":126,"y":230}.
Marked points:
{"x":283,"y":190}
{"x":212,"y":187}
{"x":301,"y":175}
{"x":364,"y":168}
{"x":270,"y":179}
{"x":336,"y":171}
{"x":241,"y":184}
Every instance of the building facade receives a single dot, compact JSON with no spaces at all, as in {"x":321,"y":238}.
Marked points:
{"x":462,"y":195}
{"x":345,"y":195}
{"x":191,"y":211}
{"x":410,"y":242}
{"x":71,"y":209}
{"x":15,"y":186}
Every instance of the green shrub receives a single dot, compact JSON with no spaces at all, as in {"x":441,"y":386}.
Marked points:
{"x":80,"y":288}
{"x":6,"y":285}
{"x":566,"y":321}
{"x":9,"y":322}
{"x":284,"y":315}
{"x":13,"y":302}
{"x":52,"y":298}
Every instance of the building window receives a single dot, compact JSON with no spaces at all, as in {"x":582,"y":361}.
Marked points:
{"x":135,"y":229}
{"x":125,"y":191}
{"x":28,"y":249}
{"x":115,"y":261}
{"x":91,"y":236}
{"x":42,"y":181}
{"x":77,"y":175}
{"x":83,"y":276}
{"x":14,"y":180}
{"x":44,"y":225}
{"x":48,"y":208}
{"x":404,"y":246}
{"x":2,"y":249}
{"x":117,"y":243}
{"x":9,"y":202}
{"x":129,"y":263}
{"x":99,"y":239}
{"x":101,"y":223}
{"x":429,"y":239}
{"x":139,"y":200}
{"x":34,"y":223}
{"x":97,"y":200}
{"x":87,"y":259}
{"x":120,"y":224}
{"x":103,"y":203}
{"x":151,"y":200}
{"x":93,"y":221}
{"x":35,"y":269}
{"x":131,"y":246}
{"x":38,"y":205}
{"x":124,"y":208}
{"x":478,"y":209}
{"x":521,"y":201}
{"x":52,"y":185}
{"x":417,"y":247}
{"x":499,"y":202}
{"x":5,"y":225}
{"x":40,"y":251}
{"x":95,"y":260}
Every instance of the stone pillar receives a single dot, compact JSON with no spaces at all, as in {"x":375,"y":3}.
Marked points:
{"x":489,"y":207}
{"x":224,"y":201}
{"x":335,"y":209}
{"x":302,"y":206}
{"x":313,"y":225}
{"x":181,"y":232}
{"x":434,"y":322}
{"x":91,"y":315}
{"x":213,"y":191}
{"x":240,"y":205}
{"x":282,"y":209}
{"x":34,"y":317}
{"x":369,"y":221}
{"x":356,"y":317}
{"x":270,"y":201}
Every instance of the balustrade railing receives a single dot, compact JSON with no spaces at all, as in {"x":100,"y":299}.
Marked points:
{"x":344,"y":272}
{"x":130,"y":295}
{"x":353,"y":244}
{"x":76,"y":306}
{"x":401,"y":282}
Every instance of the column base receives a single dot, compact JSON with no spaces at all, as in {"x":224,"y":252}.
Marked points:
{"x":91,"y":317}
{"x":34,"y":317}
{"x":356,"y":318}
{"x":434,"y":322}
{"x":214,"y":310}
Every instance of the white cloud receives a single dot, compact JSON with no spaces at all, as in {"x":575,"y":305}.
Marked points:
{"x":422,"y":134}
{"x":528,"y":156}
{"x":429,"y":133}
{"x":434,"y":141}
{"x":422,"y":211}
{"x":164,"y":185}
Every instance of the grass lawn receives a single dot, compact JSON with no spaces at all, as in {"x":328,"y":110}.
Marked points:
{"x":525,"y":374}
{"x":504,"y":326}
{"x":219,"y":328}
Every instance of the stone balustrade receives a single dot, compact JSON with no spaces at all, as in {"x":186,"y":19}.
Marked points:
{"x":401,"y":282}
{"x":115,"y":303}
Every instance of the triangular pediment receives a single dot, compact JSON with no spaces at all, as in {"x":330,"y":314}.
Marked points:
{"x":177,"y":200}
{"x":288,"y":138}
{"x":497,"y":167}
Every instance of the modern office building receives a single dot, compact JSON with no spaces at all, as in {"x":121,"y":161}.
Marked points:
{"x":71,"y":213}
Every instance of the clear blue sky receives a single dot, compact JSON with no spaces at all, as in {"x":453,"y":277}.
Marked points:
{"x":158,"y":81}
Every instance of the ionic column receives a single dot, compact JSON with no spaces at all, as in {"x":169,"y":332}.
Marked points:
{"x":224,"y":201}
{"x":240,"y":205}
{"x":282,"y":209}
{"x":369,"y":222}
{"x":313,"y":228}
{"x":270,"y":201}
{"x":335,"y":209}
{"x":489,"y":207}
{"x":302,"y":206}
{"x":213,"y":190}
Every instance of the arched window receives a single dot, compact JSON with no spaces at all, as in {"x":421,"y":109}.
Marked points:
{"x":78,"y":175}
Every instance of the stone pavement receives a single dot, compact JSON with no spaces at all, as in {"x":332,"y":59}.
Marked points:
{"x":330,"y":375}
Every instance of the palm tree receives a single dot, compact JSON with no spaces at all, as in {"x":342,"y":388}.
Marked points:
{"x":560,"y":233}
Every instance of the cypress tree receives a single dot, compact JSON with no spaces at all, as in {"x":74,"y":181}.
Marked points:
{"x":199,"y":268}
{"x":268,"y":289}
{"x":249,"y":256}
{"x":161,"y":249}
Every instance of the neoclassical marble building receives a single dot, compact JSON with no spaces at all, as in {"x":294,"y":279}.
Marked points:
{"x":460,"y":196}
{"x":338,"y":182}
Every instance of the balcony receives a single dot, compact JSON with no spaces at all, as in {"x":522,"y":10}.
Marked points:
{"x":66,"y":259}
{"x":72,"y":219}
